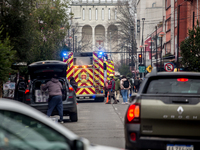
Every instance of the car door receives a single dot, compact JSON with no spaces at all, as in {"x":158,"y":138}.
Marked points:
{"x":18,"y":131}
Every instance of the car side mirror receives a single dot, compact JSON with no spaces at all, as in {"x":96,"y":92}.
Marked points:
{"x":132,"y":98}
{"x":81,"y":144}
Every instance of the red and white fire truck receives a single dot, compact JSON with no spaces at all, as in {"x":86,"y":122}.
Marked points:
{"x":90,"y":70}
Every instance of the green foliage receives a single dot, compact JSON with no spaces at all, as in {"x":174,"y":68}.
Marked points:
{"x":36,"y":28}
{"x":125,"y":70}
{"x":7,"y":57}
{"x":190,"y":50}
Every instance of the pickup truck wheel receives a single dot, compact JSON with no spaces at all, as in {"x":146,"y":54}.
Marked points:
{"x":73,"y":117}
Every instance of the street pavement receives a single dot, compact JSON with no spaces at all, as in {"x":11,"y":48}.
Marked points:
{"x":100,"y":123}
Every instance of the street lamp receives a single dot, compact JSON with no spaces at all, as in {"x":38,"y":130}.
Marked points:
{"x":151,"y":41}
{"x":145,"y":44}
{"x":161,"y":35}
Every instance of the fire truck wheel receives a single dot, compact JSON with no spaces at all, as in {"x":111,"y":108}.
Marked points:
{"x":99,"y":99}
{"x":74,"y":117}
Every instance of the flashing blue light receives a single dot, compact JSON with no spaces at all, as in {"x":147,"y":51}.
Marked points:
{"x":93,"y":96}
{"x":100,"y":54}
{"x":64,"y":54}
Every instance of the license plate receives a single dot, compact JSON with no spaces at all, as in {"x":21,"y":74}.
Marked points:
{"x":87,"y":97}
{"x":179,"y":147}
{"x":81,"y":97}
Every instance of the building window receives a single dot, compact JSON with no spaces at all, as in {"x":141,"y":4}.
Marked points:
{"x":83,"y":14}
{"x":90,"y":14}
{"x":115,"y":13}
{"x":108,"y":13}
{"x":168,"y":24}
{"x":167,"y":3}
{"x":96,"y":13}
{"x":176,"y":17}
{"x":102,"y":17}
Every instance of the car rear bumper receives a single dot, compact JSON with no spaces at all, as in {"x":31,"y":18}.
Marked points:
{"x":154,"y":142}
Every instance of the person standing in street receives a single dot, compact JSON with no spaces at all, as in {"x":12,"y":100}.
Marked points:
{"x":117,"y":88}
{"x":137,"y":84}
{"x":55,"y":96}
{"x":73,"y":83}
{"x":111,"y":87}
{"x":125,"y":86}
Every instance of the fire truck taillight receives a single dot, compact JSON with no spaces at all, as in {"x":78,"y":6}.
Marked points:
{"x":75,"y":67}
{"x":84,"y":66}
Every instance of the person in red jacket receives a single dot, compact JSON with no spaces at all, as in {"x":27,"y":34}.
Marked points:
{"x":111,"y":87}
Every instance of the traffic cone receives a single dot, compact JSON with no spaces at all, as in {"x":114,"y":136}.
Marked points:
{"x":107,"y":100}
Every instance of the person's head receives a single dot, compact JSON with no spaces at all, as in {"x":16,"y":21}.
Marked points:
{"x":55,"y":76}
{"x":123,"y":77}
{"x":71,"y":78}
{"x":111,"y":76}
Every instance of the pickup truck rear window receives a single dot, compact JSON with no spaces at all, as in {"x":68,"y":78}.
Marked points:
{"x":174,"y":85}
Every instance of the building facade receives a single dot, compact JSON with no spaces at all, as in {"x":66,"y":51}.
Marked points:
{"x":93,"y":22}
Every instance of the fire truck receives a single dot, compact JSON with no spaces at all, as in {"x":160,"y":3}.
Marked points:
{"x":90,"y":70}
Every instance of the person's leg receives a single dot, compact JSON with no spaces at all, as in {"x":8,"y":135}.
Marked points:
{"x":117,"y":94}
{"x":51,"y":106}
{"x":59,"y":107}
{"x":125,"y":94}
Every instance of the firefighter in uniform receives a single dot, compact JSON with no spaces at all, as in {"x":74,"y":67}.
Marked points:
{"x":111,"y":87}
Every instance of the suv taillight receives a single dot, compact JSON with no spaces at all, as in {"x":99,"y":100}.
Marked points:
{"x":26,"y":91}
{"x":71,"y":89}
{"x":133,"y":113}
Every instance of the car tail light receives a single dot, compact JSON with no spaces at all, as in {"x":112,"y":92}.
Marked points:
{"x":70,"y":96}
{"x":182,"y":79}
{"x":26,"y":91}
{"x":71,"y":89}
{"x":133,"y":136}
{"x":28,"y":99}
{"x":133,"y":113}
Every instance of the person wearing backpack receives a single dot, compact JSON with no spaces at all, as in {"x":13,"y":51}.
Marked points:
{"x":125,"y":86}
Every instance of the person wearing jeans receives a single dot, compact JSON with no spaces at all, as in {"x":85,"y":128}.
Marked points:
{"x":55,"y":96}
{"x":125,"y":86}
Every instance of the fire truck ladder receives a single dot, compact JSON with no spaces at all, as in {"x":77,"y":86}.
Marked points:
{"x":97,"y":75}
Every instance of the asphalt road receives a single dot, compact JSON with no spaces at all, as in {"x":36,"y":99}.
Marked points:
{"x":100,"y":123}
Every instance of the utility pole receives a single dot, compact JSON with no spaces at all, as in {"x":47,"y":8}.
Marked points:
{"x":156,"y":52}
{"x":73,"y":39}
{"x":75,"y":43}
{"x":143,"y":19}
{"x":110,"y":45}
{"x":177,"y":55}
{"x":132,"y":49}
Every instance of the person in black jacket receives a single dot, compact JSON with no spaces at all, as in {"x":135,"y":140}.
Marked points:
{"x":73,"y":83}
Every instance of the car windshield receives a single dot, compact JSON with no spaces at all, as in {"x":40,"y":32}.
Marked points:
{"x":174,"y":85}
{"x":83,"y":61}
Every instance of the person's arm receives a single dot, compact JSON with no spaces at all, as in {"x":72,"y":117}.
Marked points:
{"x":44,"y":87}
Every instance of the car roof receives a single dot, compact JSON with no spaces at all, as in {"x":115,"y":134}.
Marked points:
{"x":182,"y":73}
{"x":15,"y":106}
{"x":47,"y":62}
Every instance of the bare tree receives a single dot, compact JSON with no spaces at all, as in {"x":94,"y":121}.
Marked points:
{"x":126,"y":13}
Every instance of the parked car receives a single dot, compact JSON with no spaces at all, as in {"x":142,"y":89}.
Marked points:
{"x":165,"y":113}
{"x":25,"y":128}
{"x":40,"y":73}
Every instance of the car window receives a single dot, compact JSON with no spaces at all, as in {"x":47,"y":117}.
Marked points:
{"x":174,"y":85}
{"x":18,"y":131}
